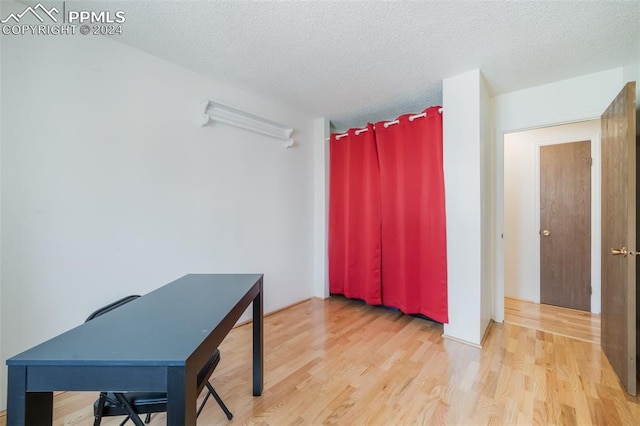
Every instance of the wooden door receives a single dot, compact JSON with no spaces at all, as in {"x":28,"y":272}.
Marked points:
{"x":565,"y":221}
{"x":618,"y":323}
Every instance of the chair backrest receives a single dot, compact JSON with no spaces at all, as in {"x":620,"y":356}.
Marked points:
{"x":112,"y":306}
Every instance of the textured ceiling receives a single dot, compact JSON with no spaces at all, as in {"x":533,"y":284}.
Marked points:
{"x":359,"y":61}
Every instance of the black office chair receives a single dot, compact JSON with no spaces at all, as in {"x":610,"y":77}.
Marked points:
{"x":132,"y":404}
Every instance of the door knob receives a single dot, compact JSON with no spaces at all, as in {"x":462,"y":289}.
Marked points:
{"x":623,"y":251}
{"x":546,"y":232}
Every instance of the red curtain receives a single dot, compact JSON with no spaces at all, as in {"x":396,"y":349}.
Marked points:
{"x":354,"y":216}
{"x":387,"y":230}
{"x":414,"y":261}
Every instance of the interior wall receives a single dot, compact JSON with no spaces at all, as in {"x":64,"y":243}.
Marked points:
{"x":321,"y":208}
{"x":462,"y":174}
{"x":522,"y":206}
{"x":487,"y":179}
{"x":3,"y":381}
{"x":572,"y":100}
{"x":110,"y":186}
{"x":632,"y":73}
{"x":521,"y":274}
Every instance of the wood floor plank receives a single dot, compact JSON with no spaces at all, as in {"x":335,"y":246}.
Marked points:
{"x":342,"y":362}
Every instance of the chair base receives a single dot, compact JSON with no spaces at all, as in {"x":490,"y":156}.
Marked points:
{"x":133,"y":404}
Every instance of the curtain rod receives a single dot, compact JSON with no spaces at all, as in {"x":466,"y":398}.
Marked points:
{"x":385,"y":124}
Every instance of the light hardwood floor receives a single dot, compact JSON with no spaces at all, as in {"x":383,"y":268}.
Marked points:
{"x":342,"y":362}
{"x":553,"y":319}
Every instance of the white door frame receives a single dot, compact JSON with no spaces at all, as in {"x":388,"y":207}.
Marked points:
{"x":499,"y":260}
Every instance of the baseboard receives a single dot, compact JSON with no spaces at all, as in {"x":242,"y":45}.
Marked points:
{"x":274,"y":312}
{"x":486,"y":332}
{"x":475,"y":345}
{"x":522,"y":300}
{"x":464,"y":342}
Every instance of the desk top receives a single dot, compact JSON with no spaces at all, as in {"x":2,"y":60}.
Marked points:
{"x":163,"y":327}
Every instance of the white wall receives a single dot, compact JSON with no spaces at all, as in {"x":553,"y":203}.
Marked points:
{"x":111,"y":187}
{"x":487,"y":182}
{"x":3,"y":381}
{"x":522,"y":206}
{"x":463,"y":188}
{"x":576,"y":99}
{"x":321,"y":209}
{"x":631,"y":72}
{"x":521,"y":274}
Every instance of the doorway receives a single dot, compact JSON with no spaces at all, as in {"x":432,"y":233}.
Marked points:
{"x":522,"y":220}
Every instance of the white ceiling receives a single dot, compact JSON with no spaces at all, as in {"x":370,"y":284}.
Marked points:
{"x":359,"y":61}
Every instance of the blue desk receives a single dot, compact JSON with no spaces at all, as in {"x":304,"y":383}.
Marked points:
{"x":158,"y":342}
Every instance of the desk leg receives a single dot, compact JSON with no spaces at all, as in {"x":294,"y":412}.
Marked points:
{"x":258,"y":351}
{"x":26,"y":408}
{"x":181,"y":397}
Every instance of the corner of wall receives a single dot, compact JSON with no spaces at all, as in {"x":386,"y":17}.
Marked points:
{"x":322,"y":131}
{"x":487,"y":195}
{"x":462,"y":171}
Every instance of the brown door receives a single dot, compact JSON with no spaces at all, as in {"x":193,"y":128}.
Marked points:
{"x":618,"y":323}
{"x":565,"y":220}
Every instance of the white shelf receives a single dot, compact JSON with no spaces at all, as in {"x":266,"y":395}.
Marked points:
{"x":216,"y":111}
